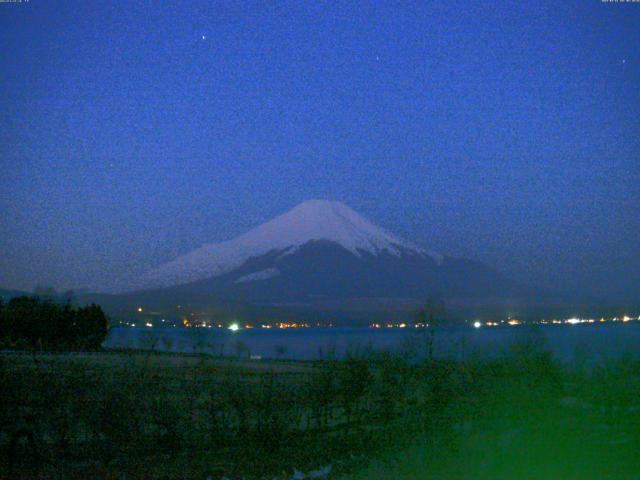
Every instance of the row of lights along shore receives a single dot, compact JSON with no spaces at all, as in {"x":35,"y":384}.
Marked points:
{"x":235,"y":326}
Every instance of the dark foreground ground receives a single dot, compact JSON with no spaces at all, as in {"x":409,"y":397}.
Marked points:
{"x":145,"y":415}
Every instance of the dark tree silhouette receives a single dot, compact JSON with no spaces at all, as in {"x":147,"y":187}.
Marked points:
{"x":431,"y":316}
{"x":38,"y":322}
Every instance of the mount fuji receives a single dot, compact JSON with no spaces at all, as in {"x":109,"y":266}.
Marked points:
{"x":319,"y":256}
{"x":284,"y":236}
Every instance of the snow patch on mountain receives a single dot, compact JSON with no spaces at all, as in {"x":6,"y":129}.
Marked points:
{"x":309,"y":221}
{"x":261,"y":275}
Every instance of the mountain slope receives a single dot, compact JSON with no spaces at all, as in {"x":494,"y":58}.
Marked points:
{"x":322,"y":270}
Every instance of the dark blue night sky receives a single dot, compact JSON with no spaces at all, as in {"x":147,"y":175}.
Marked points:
{"x":507,"y":132}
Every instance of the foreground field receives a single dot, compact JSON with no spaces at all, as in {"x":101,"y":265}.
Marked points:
{"x":148,"y":415}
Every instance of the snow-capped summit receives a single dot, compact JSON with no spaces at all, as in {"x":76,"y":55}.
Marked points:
{"x":312,"y":220}
{"x":325,"y":220}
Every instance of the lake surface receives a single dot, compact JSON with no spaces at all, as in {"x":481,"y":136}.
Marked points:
{"x":569,"y":343}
